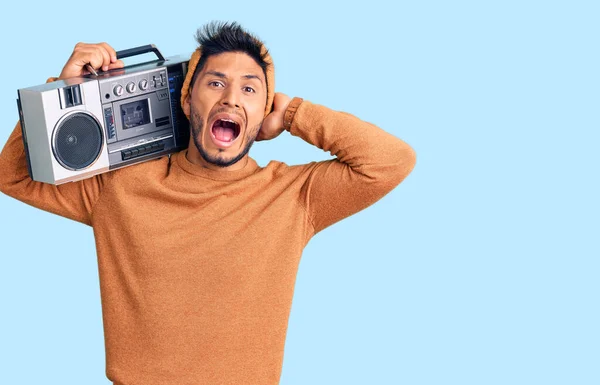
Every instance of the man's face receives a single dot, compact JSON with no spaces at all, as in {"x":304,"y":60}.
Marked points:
{"x":226,"y":108}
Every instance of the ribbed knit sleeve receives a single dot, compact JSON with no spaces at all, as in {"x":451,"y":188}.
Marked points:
{"x":369,"y":163}
{"x":73,"y":200}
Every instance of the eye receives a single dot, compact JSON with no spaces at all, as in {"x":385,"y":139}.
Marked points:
{"x":215,"y":84}
{"x":249,"y":89}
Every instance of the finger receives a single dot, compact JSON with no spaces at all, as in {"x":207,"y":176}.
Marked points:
{"x":82,"y":54}
{"x":88,"y":55}
{"x":280,"y":101}
{"x":105,"y":55}
{"x":94,"y":54}
{"x":117,"y":64}
{"x":111,"y":52}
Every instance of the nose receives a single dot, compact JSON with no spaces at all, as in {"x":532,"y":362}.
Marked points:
{"x":231,"y":98}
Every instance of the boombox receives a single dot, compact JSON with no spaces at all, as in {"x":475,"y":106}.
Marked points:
{"x":80,"y":127}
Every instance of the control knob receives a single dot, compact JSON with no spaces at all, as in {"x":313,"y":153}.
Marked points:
{"x":118,"y":90}
{"x":131,"y":87}
{"x":143,"y":84}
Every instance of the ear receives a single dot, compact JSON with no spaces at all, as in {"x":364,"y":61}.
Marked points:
{"x":186,"y":105}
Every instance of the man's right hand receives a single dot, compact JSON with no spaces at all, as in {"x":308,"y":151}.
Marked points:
{"x":99,"y":56}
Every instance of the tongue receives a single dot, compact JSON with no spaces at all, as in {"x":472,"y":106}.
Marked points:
{"x":223,"y":133}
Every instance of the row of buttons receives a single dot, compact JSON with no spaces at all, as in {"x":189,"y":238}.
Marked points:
{"x":159,"y":82}
{"x":131,"y":87}
{"x":142,"y":150}
{"x":110,"y":122}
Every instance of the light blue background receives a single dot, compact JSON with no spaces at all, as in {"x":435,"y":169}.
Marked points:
{"x":480,"y":268}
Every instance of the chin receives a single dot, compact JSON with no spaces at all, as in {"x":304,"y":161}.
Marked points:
{"x":221,"y":157}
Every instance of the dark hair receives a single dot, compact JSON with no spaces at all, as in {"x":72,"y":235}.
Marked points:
{"x":219,"y":37}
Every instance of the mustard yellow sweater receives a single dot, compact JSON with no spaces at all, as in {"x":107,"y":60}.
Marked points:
{"x":197,"y":267}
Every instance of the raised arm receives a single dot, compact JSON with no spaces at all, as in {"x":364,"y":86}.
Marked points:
{"x":72,"y":200}
{"x":370,"y":162}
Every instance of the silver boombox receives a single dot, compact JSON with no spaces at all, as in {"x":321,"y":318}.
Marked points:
{"x":84,"y":126}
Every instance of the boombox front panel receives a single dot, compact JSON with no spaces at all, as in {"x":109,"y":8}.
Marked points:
{"x":56,"y":118}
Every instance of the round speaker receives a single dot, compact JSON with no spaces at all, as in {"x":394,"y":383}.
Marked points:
{"x":77,"y":141}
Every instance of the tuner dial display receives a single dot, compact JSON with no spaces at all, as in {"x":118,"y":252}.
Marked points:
{"x":143,"y":84}
{"x":118,"y":90}
{"x":131,"y":87}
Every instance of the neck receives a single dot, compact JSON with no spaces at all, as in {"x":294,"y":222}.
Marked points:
{"x":194,"y":157}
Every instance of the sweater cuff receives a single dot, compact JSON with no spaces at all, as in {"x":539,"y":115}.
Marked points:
{"x":290,"y":112}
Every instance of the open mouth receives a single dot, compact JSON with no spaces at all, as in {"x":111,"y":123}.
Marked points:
{"x":225,"y":130}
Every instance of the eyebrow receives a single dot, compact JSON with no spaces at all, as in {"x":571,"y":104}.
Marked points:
{"x":223,"y":76}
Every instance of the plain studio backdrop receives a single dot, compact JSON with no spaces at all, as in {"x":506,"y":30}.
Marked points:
{"x":480,"y":268}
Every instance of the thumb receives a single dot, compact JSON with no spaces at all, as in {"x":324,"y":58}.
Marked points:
{"x":280,"y":102}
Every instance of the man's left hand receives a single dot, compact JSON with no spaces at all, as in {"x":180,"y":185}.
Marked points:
{"x":272,"y":126}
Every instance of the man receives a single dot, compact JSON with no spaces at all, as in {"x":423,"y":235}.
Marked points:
{"x":198,"y":252}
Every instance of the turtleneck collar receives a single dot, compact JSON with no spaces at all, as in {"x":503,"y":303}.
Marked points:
{"x":221,"y":175}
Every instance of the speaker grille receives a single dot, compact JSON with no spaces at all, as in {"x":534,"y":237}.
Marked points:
{"x":77,"y":141}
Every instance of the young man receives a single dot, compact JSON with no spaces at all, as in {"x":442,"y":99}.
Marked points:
{"x":198,"y":252}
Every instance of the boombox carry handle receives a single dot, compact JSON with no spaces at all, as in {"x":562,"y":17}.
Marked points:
{"x":139,"y":51}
